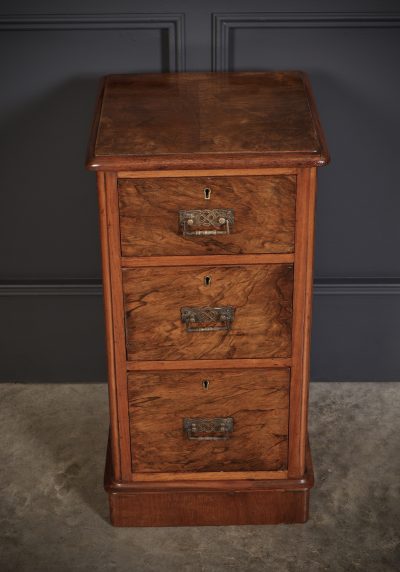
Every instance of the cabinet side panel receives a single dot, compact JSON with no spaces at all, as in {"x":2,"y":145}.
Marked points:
{"x":302,"y":307}
{"x":108,"y":316}
{"x":118,"y":330}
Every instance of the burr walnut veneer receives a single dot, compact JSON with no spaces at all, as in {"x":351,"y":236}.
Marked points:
{"x":206,"y":189}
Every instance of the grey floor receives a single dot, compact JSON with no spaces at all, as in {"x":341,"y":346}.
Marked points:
{"x":54,"y":513}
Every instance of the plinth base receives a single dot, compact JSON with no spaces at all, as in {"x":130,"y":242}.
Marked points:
{"x":205,"y":503}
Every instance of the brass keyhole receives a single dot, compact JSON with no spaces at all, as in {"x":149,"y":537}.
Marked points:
{"x":207,"y":193}
{"x":205,"y":383}
{"x":207,"y":280}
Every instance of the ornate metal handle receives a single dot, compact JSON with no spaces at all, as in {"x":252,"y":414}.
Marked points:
{"x":216,"y":429}
{"x":216,"y":221}
{"x":222,"y":317}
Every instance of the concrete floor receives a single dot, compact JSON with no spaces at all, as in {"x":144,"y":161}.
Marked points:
{"x":54,"y":514}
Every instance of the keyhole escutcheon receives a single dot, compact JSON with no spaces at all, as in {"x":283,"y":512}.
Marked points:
{"x":207,"y":193}
{"x":207,"y":280}
{"x":205,"y":383}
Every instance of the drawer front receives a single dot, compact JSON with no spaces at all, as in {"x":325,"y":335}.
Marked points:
{"x":216,"y":312}
{"x":238,"y":421}
{"x":172,"y":216}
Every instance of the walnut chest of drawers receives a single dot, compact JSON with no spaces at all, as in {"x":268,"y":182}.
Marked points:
{"x":206,"y":189}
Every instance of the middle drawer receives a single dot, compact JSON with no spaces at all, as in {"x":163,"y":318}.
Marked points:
{"x":213,"y":312}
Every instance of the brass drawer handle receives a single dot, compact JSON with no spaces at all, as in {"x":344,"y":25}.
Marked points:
{"x":216,"y":429}
{"x":216,"y":221}
{"x":222,"y":317}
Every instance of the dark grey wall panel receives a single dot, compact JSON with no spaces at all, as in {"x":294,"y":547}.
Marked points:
{"x":50,"y":298}
{"x":52,"y":334}
{"x":48,"y":212}
{"x":356,"y":332}
{"x":353,"y":64}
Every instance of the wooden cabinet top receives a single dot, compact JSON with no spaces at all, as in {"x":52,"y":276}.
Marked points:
{"x":206,"y":120}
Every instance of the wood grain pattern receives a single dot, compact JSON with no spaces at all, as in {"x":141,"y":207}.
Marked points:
{"x":158,"y":140}
{"x":249,"y":119}
{"x":210,"y":476}
{"x":257,"y":400}
{"x":114,"y":304}
{"x":302,"y":301}
{"x":264,"y":208}
{"x":205,"y":162}
{"x":209,"y":508}
{"x":214,"y":502}
{"x":201,"y":173}
{"x":109,"y":324}
{"x":261,"y":295}
{"x":228,"y":481}
{"x":220,"y":259}
{"x":207,"y":364}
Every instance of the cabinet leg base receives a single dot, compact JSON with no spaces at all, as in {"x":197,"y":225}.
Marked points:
{"x":209,"y":503}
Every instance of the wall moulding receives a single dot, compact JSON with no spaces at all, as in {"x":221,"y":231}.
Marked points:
{"x":172,"y":24}
{"x":224,"y":24}
{"x":322,"y":287}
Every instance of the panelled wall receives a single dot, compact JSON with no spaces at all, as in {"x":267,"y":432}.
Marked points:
{"x":50,"y":290}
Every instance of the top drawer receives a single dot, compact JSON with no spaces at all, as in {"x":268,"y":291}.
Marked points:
{"x":233,"y":215}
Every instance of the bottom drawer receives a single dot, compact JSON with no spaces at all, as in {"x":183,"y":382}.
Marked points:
{"x":210,"y":420}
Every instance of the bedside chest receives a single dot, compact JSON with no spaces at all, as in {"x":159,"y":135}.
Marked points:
{"x":206,"y":188}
